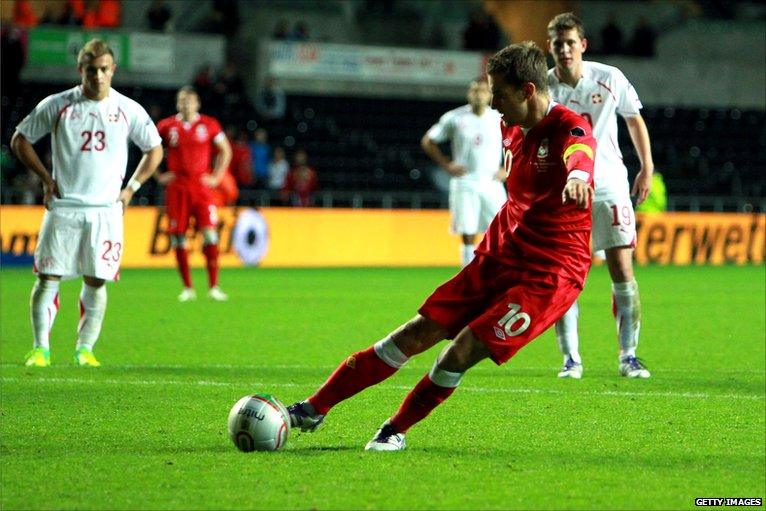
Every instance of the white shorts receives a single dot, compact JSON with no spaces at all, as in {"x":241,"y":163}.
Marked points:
{"x":472,"y":209}
{"x":81,"y":241}
{"x":614,"y":223}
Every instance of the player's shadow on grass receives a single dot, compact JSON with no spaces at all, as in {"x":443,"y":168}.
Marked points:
{"x":305,"y":450}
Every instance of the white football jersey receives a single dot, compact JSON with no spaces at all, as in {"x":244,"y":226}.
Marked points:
{"x":89,"y":141}
{"x":476,"y":142}
{"x":602,"y":92}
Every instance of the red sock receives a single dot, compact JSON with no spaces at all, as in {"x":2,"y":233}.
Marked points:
{"x":211,"y":256}
{"x":419,"y":403}
{"x":359,"y":371}
{"x":182,"y":257}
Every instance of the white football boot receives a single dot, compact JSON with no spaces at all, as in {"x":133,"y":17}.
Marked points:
{"x":187,"y":295}
{"x":571,"y":369}
{"x":386,"y":439}
{"x":632,"y":367}
{"x":216,"y":294}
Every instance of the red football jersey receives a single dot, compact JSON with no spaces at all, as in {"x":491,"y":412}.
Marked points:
{"x":534,"y":230}
{"x":189,"y":146}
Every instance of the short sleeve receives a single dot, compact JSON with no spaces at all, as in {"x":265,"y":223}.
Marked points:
{"x":628,"y":103}
{"x":442,"y":130}
{"x":143,"y":132}
{"x":214,"y":127}
{"x":41,"y":120}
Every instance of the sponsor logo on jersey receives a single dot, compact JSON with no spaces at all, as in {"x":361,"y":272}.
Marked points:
{"x":596,"y":98}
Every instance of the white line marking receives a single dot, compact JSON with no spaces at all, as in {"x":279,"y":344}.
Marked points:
{"x":486,"y":390}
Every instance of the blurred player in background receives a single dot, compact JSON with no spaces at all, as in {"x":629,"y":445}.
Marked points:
{"x":598,"y":92}
{"x":476,"y":192}
{"x":82,"y":231}
{"x":528,"y":269}
{"x":190,"y":138}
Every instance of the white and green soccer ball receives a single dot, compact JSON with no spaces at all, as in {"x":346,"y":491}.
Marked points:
{"x":259,"y":423}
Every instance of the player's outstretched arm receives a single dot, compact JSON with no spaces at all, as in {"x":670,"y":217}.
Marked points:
{"x":577,"y":191}
{"x":25,"y":152}
{"x":146,"y":167}
{"x":639,"y":135}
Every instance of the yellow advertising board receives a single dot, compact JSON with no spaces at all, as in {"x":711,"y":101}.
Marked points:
{"x":287,"y":237}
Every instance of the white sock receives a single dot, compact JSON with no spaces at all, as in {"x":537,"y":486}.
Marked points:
{"x":467,"y":253}
{"x":627,"y":313}
{"x":92,"y":309}
{"x":43,"y":306}
{"x":566,"y":334}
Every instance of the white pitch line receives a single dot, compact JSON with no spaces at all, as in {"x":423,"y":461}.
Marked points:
{"x":483,"y":390}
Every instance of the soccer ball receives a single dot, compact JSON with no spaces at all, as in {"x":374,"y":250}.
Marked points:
{"x":259,"y":423}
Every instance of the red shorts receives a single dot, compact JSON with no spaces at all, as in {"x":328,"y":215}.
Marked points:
{"x":505,"y":307}
{"x":182,"y":202}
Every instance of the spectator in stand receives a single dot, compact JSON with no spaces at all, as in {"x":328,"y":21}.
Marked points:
{"x":642,"y":44}
{"x":278,"y":169}
{"x":158,"y":15}
{"x":611,"y":37}
{"x":230,"y":88}
{"x":13,"y":44}
{"x":241,"y":164}
{"x":203,"y":83}
{"x":270,"y":101}
{"x":225,"y":17}
{"x":281,"y":31}
{"x":481,"y":34}
{"x":261,"y":154}
{"x":300,"y":32}
{"x":301,"y":182}
{"x":72,"y":13}
{"x":102,"y":14}
{"x":23,"y":14}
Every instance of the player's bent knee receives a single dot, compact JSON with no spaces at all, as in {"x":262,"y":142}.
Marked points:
{"x":463,"y":352}
{"x":210,"y":237}
{"x":93,"y":281}
{"x":43,"y":276}
{"x":177,"y":240}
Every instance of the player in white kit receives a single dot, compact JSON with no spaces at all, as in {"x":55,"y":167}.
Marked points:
{"x":476,"y":190}
{"x":82,"y":231}
{"x":599,"y":92}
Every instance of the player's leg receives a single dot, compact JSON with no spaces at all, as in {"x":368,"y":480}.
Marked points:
{"x":433,"y":389}
{"x":177,"y":209}
{"x":43,"y":306}
{"x":464,"y":212}
{"x":55,"y":255}
{"x":527,"y":306}
{"x":92,"y":310}
{"x":100,"y":261}
{"x":366,"y":368}
{"x":206,"y":217}
{"x":569,"y":343}
{"x":626,"y":306}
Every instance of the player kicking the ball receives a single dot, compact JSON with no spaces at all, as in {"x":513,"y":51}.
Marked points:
{"x":82,"y":230}
{"x":599,"y":92}
{"x":528,"y":270}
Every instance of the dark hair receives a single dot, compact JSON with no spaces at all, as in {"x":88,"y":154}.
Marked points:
{"x":564,"y":22}
{"x":521,"y":63}
{"x":93,"y":49}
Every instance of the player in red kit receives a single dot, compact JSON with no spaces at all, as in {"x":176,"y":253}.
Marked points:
{"x":528,"y":270}
{"x":189,"y":138}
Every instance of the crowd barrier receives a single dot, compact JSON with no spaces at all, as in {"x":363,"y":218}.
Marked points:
{"x":285,"y":237}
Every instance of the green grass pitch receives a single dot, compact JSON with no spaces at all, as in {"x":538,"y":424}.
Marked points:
{"x":148,"y":429}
